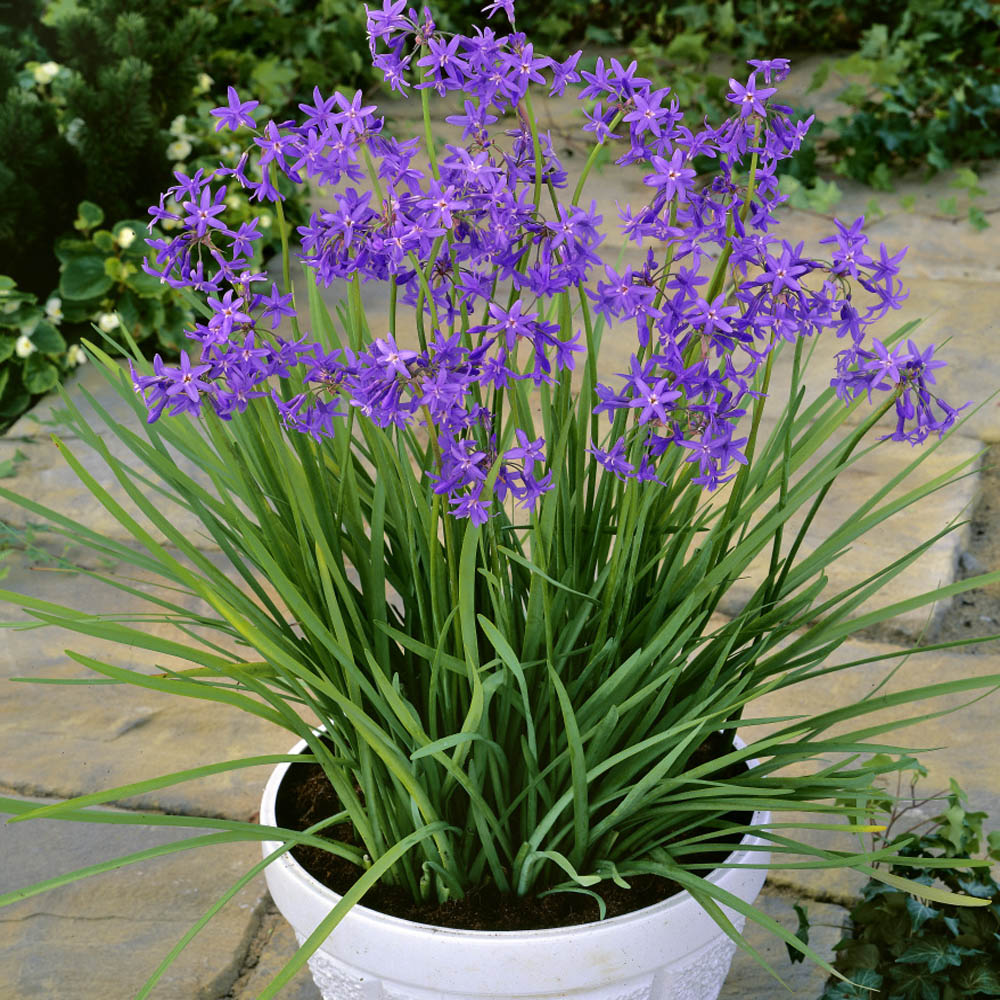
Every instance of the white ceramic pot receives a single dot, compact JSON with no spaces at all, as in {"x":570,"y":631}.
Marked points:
{"x":670,"y":951}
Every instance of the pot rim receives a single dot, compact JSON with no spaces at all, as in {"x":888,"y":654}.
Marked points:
{"x":759,"y":819}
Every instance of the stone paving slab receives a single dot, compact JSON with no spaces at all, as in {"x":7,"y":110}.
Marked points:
{"x":277,"y":948}
{"x":105,"y":935}
{"x":73,"y":740}
{"x":963,"y":744}
{"x":42,"y":475}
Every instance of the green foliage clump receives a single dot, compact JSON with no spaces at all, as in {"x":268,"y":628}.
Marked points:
{"x":931,"y":95}
{"x":280,"y":49}
{"x":898,"y":946}
{"x":101,"y":282}
{"x":32,"y":350}
{"x":131,"y":69}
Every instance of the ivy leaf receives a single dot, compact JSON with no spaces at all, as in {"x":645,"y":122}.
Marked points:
{"x":977,"y":219}
{"x":979,"y":980}
{"x":969,"y":180}
{"x":935,"y":953}
{"x":8,"y":467}
{"x":982,"y":890}
{"x":819,"y":77}
{"x":862,"y":986}
{"x":857,"y":955}
{"x":914,"y":984}
{"x":937,"y":159}
{"x":881,"y":178}
{"x":801,"y":932}
{"x":919,"y":912}
{"x":84,"y":278}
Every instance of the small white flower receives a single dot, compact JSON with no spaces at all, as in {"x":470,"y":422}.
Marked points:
{"x":204,"y":82}
{"x":169,"y":223}
{"x":125,"y":237}
{"x":177,"y":126}
{"x":179,"y":149}
{"x":46,"y":72}
{"x":23,"y":346}
{"x":53,"y":310}
{"x":75,"y":356}
{"x":11,"y":307}
{"x":234,"y":201}
{"x":108,"y":321}
{"x":266,"y":221}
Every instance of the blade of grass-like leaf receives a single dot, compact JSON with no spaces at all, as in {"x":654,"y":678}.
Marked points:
{"x":929,"y":892}
{"x":343,"y":907}
{"x":186,"y":844}
{"x":708,"y":892}
{"x":163,"y":781}
{"x":202,"y":921}
{"x":190,"y":689}
{"x":578,"y":771}
{"x":240,"y":830}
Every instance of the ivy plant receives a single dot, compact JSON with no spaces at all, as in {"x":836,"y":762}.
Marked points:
{"x":897,"y":947}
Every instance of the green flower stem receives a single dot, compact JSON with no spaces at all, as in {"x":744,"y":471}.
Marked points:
{"x":588,"y":166}
{"x":425,"y":107}
{"x":425,"y":292}
{"x":286,"y":275}
{"x":719,"y":275}
{"x":535,"y":145}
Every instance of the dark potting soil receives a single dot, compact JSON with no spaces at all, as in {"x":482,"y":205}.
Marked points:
{"x":306,"y":797}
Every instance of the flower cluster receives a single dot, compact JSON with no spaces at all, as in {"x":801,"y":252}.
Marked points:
{"x":468,"y":233}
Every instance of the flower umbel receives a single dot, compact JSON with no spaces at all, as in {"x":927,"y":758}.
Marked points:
{"x":718,"y":292}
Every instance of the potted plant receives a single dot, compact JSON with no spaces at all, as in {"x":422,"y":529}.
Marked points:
{"x":476,"y":579}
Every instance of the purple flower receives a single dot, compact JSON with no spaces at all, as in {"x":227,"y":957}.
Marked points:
{"x":276,"y":306}
{"x":671,"y":176}
{"x":184,"y":380}
{"x":237,"y":113}
{"x":749,"y":98}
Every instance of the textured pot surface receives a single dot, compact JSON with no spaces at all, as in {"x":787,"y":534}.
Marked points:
{"x":670,"y":951}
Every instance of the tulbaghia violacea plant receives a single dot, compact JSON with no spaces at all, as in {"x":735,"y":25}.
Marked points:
{"x":490,"y":570}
